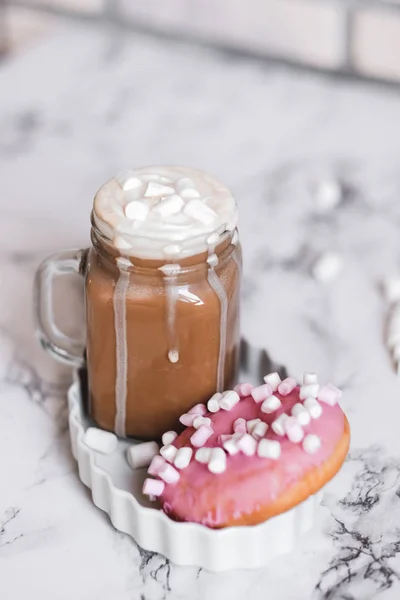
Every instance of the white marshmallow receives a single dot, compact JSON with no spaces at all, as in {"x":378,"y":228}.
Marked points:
{"x":169,"y":474}
{"x":203,"y":455}
{"x":101,"y":441}
{"x":311,"y":444}
{"x":190,"y":193}
{"x":274,"y":380}
{"x":213,"y":403}
{"x":310,"y":378}
{"x":141,"y":455}
{"x":168,"y":437}
{"x":328,"y":195}
{"x":196,"y":209}
{"x":302,"y":415}
{"x":199,"y":421}
{"x":278,"y":425}
{"x":310,"y":390}
{"x":137,"y":210}
{"x":184,"y":183}
{"x":229,"y":399}
{"x":155,"y":189}
{"x":231,"y":446}
{"x":270,"y":405}
{"x":313,"y":407}
{"x":169,"y":452}
{"x":170,"y":206}
{"x":269,"y":449}
{"x":327,"y":268}
{"x":183,"y":457}
{"x":217,"y":463}
{"x":259,"y":430}
{"x":391,"y":288}
{"x":247,"y":444}
{"x":252,"y":423}
{"x":128,"y":182}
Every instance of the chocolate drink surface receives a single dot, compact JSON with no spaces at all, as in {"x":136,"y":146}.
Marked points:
{"x":162,"y":298}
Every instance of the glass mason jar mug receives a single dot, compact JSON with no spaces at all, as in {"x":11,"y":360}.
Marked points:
{"x":162,"y":328}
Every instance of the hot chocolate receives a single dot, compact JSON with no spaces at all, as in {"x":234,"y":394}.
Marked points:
{"x":162,"y":298}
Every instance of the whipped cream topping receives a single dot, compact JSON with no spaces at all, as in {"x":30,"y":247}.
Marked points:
{"x":164,"y":211}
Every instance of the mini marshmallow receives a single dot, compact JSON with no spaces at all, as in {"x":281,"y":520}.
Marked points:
{"x":128,"y":182}
{"x":183,"y":457}
{"x":252,"y":423}
{"x":311,"y":444}
{"x":293,"y":430}
{"x":187,"y":419}
{"x":199,"y":421}
{"x":153,"y":487}
{"x":231,"y":446}
{"x":170,"y":206}
{"x":183,"y":183}
{"x":168,"y":437}
{"x":261,"y":392}
{"x":137,"y":210}
{"x":336,"y":389}
{"x":247,"y":444}
{"x":169,"y":452}
{"x":391,"y":288}
{"x":169,"y":474}
{"x":259,"y":430}
{"x":240,"y":426}
{"x":310,"y":390}
{"x":141,"y":455}
{"x":201,"y":435}
{"x":203,"y":455}
{"x":217,"y":463}
{"x":310,"y":378}
{"x":327,"y":267}
{"x":274,"y":380}
{"x":101,"y":441}
{"x":302,"y":415}
{"x":198,"y":409}
{"x":213,"y":403}
{"x":269,"y":449}
{"x":188,"y":193}
{"x":228,"y":400}
{"x":313,"y":407}
{"x":243,"y":389}
{"x":196,"y":209}
{"x":287,"y":386}
{"x":278,"y":426}
{"x":155,"y":189}
{"x":328,"y":395}
{"x":270,"y":405}
{"x":156,"y":465}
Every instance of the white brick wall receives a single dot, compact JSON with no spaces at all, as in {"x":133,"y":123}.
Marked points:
{"x":306,"y":30}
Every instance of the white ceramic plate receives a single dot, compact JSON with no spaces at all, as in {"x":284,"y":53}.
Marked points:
{"x":116,"y":489}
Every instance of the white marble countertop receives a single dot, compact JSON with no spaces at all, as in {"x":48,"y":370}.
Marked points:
{"x":87,"y":102}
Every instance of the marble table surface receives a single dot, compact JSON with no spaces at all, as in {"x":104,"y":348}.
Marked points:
{"x":88,"y":101}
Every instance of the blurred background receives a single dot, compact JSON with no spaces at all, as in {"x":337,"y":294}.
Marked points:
{"x":357,"y":37}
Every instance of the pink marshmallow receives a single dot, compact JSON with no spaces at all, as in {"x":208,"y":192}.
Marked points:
{"x":243,"y":389}
{"x":329,"y":395}
{"x":224,"y":438}
{"x":153,"y":487}
{"x":247,"y":444}
{"x":169,"y":474}
{"x":201,"y":435}
{"x":199,"y":409}
{"x":187,"y":419}
{"x":240,"y":426}
{"x":293,"y":430}
{"x":157,"y":463}
{"x":261,"y":392}
{"x":333,"y":387}
{"x":286,"y":386}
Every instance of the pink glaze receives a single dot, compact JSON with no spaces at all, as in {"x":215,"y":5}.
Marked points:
{"x":249,"y":481}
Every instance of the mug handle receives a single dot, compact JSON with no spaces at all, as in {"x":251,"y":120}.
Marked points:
{"x":53,"y":340}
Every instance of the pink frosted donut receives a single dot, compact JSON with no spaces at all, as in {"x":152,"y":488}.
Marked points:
{"x":294,"y":444}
